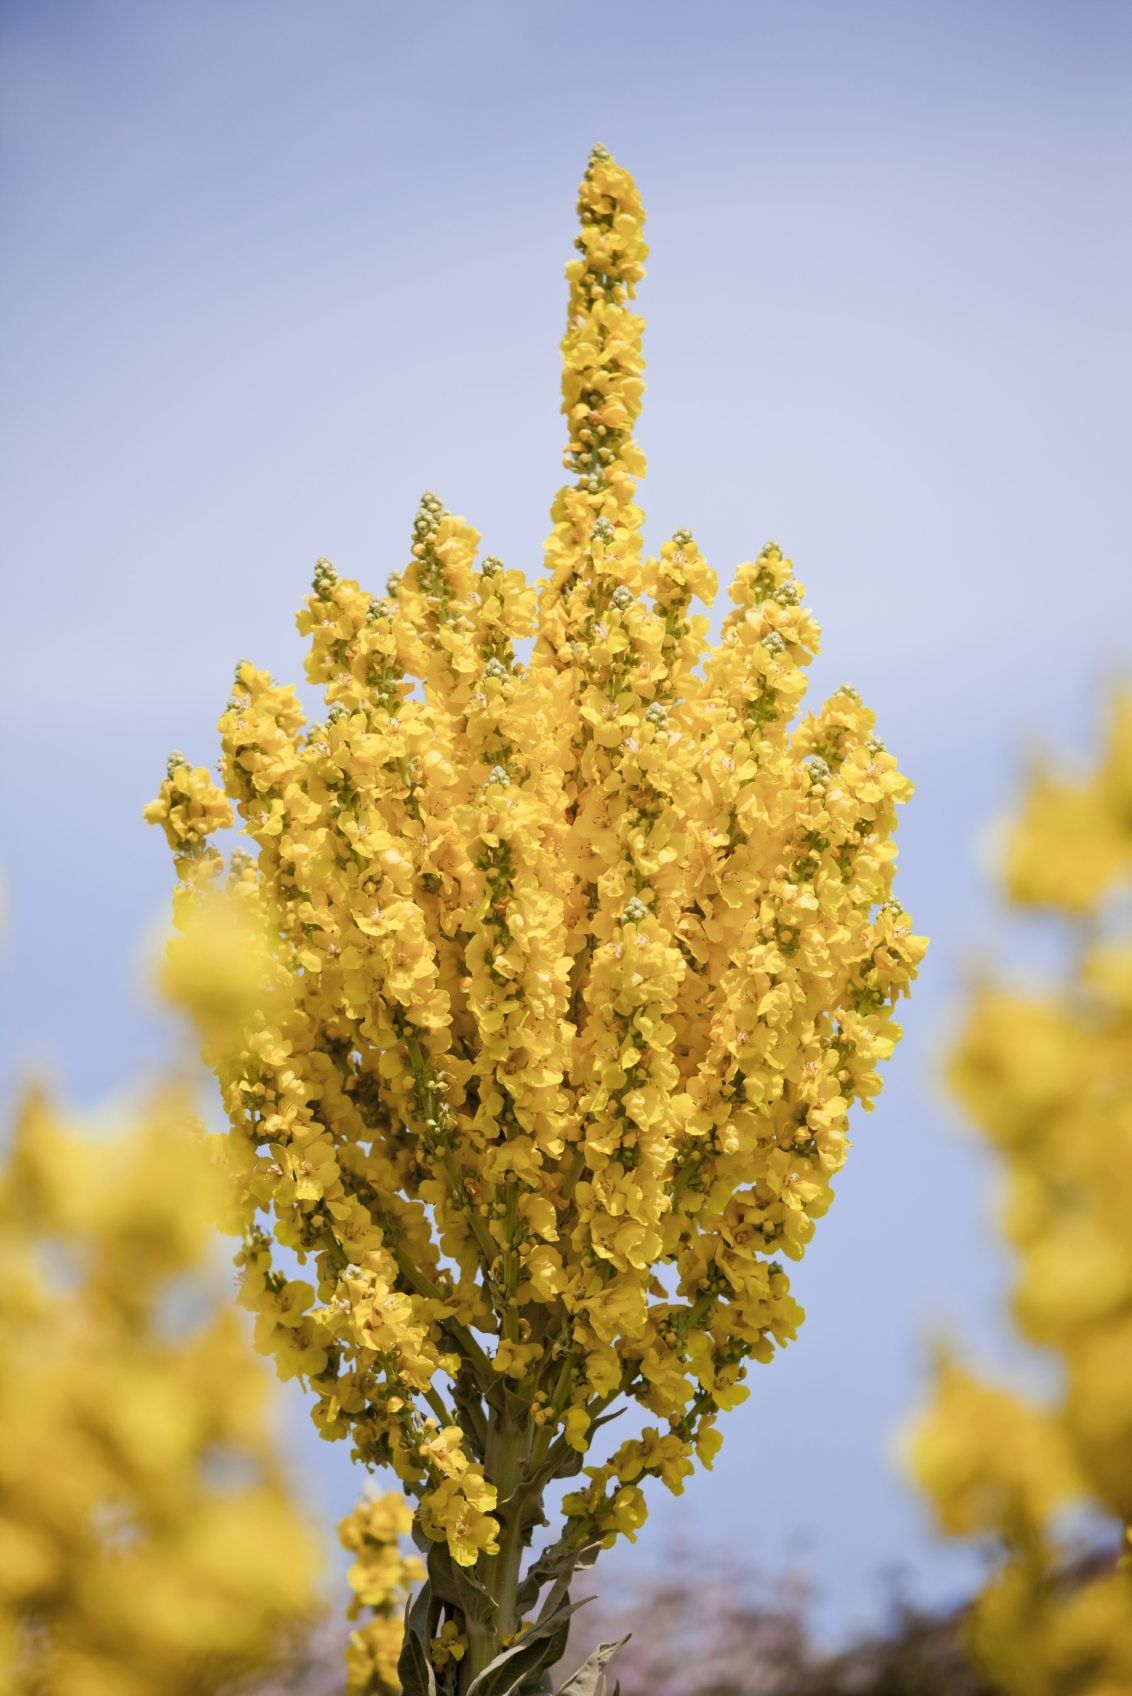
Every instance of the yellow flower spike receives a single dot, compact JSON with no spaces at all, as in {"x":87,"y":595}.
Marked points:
{"x":582,"y":947}
{"x":380,"y":1578}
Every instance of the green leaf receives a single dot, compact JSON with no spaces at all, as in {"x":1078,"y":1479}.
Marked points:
{"x":525,"y":1503}
{"x":560,"y":1560}
{"x":459,"y":1588}
{"x":589,"y":1680}
{"x":466,"y":1395}
{"x":414,"y":1665}
{"x":516,"y":1671}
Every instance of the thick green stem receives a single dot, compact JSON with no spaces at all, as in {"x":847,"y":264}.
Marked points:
{"x":506,"y":1445}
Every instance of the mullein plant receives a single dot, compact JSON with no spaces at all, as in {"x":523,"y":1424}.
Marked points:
{"x":574,"y":968}
{"x":1046,"y":1075}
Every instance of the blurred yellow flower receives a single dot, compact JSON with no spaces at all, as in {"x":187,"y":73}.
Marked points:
{"x":1047,"y":1077}
{"x":147,"y":1542}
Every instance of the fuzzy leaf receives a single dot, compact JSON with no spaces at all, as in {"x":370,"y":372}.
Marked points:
{"x":556,"y":1465}
{"x":414,"y":1665}
{"x":459,"y":1588}
{"x":466,"y":1395}
{"x":589,"y":1680}
{"x":560,"y":1560}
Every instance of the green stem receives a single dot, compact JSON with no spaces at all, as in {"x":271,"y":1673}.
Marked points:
{"x":506,"y":1444}
{"x":436,"y":1403}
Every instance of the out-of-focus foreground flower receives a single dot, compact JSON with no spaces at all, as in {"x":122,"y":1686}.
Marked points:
{"x":1047,"y":1077}
{"x":148,"y":1546}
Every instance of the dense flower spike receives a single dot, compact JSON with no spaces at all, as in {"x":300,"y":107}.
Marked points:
{"x":146,"y":1541}
{"x":576,"y":969}
{"x":1048,"y":1079}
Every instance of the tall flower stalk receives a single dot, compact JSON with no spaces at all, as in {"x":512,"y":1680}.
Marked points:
{"x":576,"y":966}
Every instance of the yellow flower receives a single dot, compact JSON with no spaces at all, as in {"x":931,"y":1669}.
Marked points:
{"x":990,"y":1462}
{"x":627,"y":1512}
{"x":189,"y":807}
{"x":444,"y":1452}
{"x":575,"y":1426}
{"x":451,"y":1645}
{"x":458,"y":1511}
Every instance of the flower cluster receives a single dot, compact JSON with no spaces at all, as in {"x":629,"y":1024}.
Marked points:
{"x":146,"y":1541}
{"x":578,"y":962}
{"x":1047,"y":1076}
{"x":380,"y":1579}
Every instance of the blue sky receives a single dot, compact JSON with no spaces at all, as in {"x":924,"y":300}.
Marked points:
{"x":272,"y":269}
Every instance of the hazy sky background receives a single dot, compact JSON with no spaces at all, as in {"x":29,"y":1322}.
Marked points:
{"x":273,"y":268}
